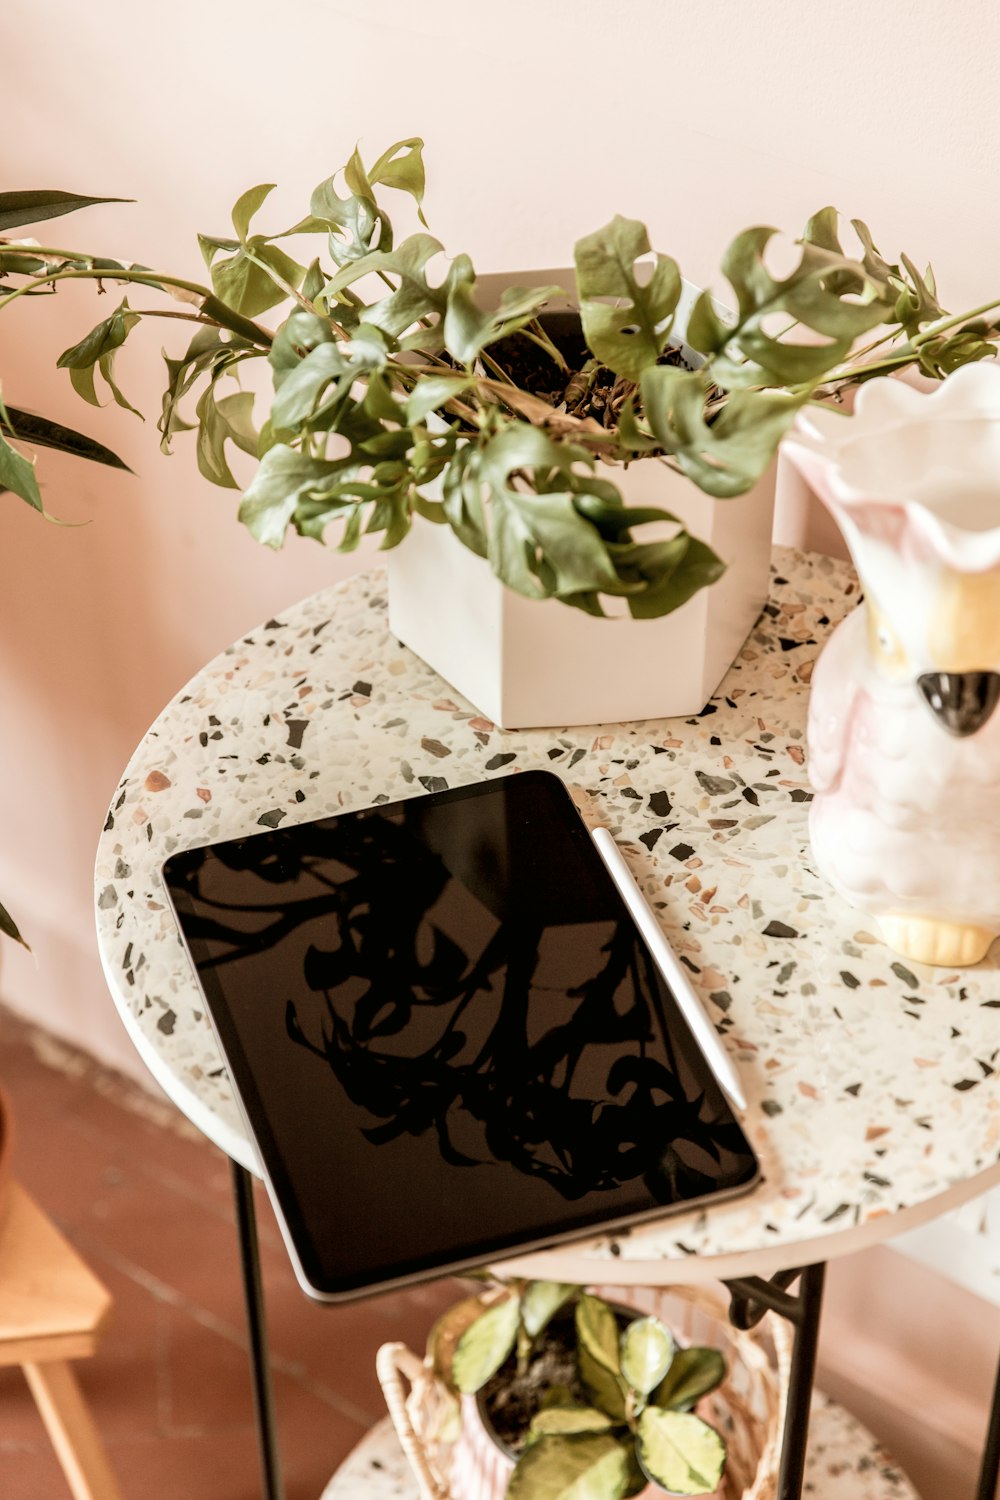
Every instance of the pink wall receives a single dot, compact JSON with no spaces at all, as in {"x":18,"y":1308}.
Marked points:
{"x":541,"y":121}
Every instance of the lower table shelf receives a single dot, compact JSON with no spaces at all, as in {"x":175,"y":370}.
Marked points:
{"x":845,"y":1462}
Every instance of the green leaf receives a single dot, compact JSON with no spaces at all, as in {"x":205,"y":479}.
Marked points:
{"x":538,"y":543}
{"x":674,"y":571}
{"x":727,"y":456}
{"x":646,"y":1351}
{"x":9,"y":927}
{"x":413,"y":298}
{"x":352,"y":223}
{"x":591,"y":1466}
{"x":284,"y":477}
{"x":219,"y":422}
{"x":693,"y":1373}
{"x":43,"y":433}
{"x":485,"y":1344}
{"x":431,"y":393}
{"x":469,"y":328}
{"x":706,"y":330}
{"x":247,"y":205}
{"x":97,"y":352}
{"x":298,"y":396}
{"x":568,"y":1419}
{"x":540,"y":1301}
{"x":246,"y":285}
{"x":104,"y":339}
{"x":814,"y":294}
{"x":35,"y":205}
{"x":402,"y":167}
{"x":17,"y":474}
{"x":679,"y":1451}
{"x":630,"y":335}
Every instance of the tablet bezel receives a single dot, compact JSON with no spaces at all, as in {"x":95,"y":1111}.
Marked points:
{"x":265,"y":1146}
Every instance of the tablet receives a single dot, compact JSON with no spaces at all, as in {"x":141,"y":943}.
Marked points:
{"x":448,"y":1040}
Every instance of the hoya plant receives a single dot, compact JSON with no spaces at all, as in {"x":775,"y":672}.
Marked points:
{"x":614,"y":1418}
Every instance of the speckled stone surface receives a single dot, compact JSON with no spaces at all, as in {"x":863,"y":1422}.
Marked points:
{"x":873,"y":1097}
{"x":844,"y":1462}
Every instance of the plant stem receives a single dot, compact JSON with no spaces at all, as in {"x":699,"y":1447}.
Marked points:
{"x":536,"y":333}
{"x":146,"y":277}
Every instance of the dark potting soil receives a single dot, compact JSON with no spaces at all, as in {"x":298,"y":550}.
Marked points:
{"x":510,"y":1400}
{"x":585,"y":388}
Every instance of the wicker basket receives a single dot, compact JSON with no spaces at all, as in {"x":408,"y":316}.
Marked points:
{"x":748,"y":1408}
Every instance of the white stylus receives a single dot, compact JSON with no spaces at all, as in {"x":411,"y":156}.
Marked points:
{"x":671,"y":968}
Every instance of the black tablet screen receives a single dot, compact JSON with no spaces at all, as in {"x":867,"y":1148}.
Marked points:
{"x":449,"y":1039}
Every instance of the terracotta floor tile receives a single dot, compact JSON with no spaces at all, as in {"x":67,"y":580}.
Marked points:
{"x":150,"y":1209}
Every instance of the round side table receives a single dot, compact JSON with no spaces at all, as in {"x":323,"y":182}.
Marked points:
{"x":873,"y":1099}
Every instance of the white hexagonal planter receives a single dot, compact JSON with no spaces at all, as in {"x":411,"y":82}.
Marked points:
{"x":526,"y":663}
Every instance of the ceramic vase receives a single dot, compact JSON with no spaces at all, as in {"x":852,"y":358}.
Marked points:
{"x":903,"y":739}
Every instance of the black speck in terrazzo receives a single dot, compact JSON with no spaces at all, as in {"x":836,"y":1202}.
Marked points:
{"x":799,"y":794}
{"x":660,"y":805}
{"x":203,"y":739}
{"x":771,"y":1107}
{"x":296,"y":729}
{"x":688,"y":963}
{"x":262,"y":760}
{"x":851,"y":980}
{"x":577,"y":755}
{"x":905,"y":974}
{"x":274,"y":624}
{"x":710,"y":708}
{"x":722,"y":998}
{"x":990,"y":1005}
{"x":273,"y":818}
{"x":433,"y":783}
{"x":166,"y":1023}
{"x":363,"y":689}
{"x":300,"y":795}
{"x":109,"y":822}
{"x":614,"y":1247}
{"x":750,"y":796}
{"x":966,"y":1083}
{"x":630,"y":791}
{"x":682,"y":851}
{"x":779,"y":930}
{"x":556,"y":754}
{"x":715,"y":740}
{"x":715,"y":786}
{"x":842,"y":1208}
{"x":650,"y":837}
{"x":496,"y":761}
{"x":853,"y":1088}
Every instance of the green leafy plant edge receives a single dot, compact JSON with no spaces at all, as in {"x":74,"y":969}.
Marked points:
{"x":638,"y":1426}
{"x":388,"y":403}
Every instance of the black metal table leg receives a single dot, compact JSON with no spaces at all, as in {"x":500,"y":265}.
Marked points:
{"x":752,"y":1297}
{"x":260,"y":1372}
{"x":991,"y":1453}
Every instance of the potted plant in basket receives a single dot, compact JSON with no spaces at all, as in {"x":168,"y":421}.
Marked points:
{"x":556,"y":1392}
{"x":508,"y":419}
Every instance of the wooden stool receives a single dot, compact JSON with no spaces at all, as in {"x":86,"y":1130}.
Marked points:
{"x":52,"y":1309}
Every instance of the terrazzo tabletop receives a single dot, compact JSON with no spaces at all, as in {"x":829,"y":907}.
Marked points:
{"x":873,"y":1098}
